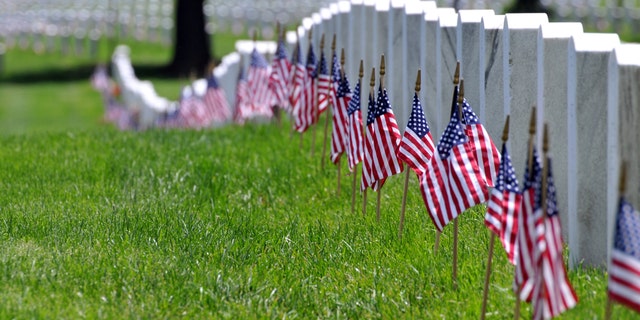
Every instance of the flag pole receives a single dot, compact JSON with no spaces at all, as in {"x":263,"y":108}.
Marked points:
{"x":372,"y":85}
{"x":456,"y":81}
{"x":355,"y":171}
{"x":622,"y":189}
{"x":325,"y":136}
{"x":382,"y":73}
{"x":455,"y":221}
{"x":406,"y":179}
{"x":294,"y":61}
{"x":487,"y":277}
{"x":532,"y":134}
{"x":326,"y":122}
{"x":316,"y":109}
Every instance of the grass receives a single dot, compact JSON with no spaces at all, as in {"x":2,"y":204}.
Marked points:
{"x":236,"y":222}
{"x":228,"y":223}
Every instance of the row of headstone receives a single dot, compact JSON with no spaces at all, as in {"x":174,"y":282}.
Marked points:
{"x":585,"y":86}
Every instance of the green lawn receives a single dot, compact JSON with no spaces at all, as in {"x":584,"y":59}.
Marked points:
{"x":236,"y":222}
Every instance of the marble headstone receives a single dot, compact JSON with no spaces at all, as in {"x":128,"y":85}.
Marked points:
{"x":553,"y":43}
{"x":446,"y":63}
{"x":588,"y":62}
{"x":490,"y":57}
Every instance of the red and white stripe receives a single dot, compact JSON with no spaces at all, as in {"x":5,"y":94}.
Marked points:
{"x":416,"y":151}
{"x":339,"y":128}
{"x":217,"y":106}
{"x":354,"y":141}
{"x":381,"y":144}
{"x":553,"y":292}
{"x":258,"y":82}
{"x":530,"y":236}
{"x":503,"y":210}
{"x":452,"y":185}
{"x":486,"y":153}
{"x":624,"y":279}
{"x":278,"y":82}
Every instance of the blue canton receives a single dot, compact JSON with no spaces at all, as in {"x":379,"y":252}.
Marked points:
{"x":417,"y":122}
{"x":452,"y":136}
{"x":281,"y":52}
{"x":336,"y":69}
{"x":311,"y":61}
{"x":627,"y":237}
{"x":343,"y":88}
{"x":506,"y":174}
{"x":322,"y":66}
{"x":297,"y":54}
{"x":467,"y":113}
{"x":212,"y":83}
{"x":383,"y":102}
{"x":257,"y":60}
{"x":535,"y":180}
{"x":354,"y":104}
{"x":371,"y":111}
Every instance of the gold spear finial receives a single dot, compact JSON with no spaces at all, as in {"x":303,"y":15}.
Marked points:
{"x":461,"y":92}
{"x":322,"y":42}
{"x":255,"y":35}
{"x":532,"y":122}
{"x":342,"y":63}
{"x":278,"y":30}
{"x":382,"y":66}
{"x":333,"y":43}
{"x":372,"y":82}
{"x":310,"y":34}
{"x":361,"y":74}
{"x":418,"y":81}
{"x":456,"y":75}
{"x":505,"y":131}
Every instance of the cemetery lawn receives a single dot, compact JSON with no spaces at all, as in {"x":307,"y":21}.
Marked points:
{"x":235,"y":222}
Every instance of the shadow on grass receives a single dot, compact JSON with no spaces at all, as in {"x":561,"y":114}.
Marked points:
{"x":81,"y":72}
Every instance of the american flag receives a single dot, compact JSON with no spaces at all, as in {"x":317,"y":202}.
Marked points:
{"x":216,"y":102}
{"x":100,"y":79}
{"x":339,"y":119}
{"x":324,"y":84}
{"x":296,"y":98}
{"x":192,"y":112}
{"x":381,"y":143}
{"x":354,"y":129}
{"x":553,"y":291}
{"x":530,"y":231}
{"x":452,"y":182}
{"x":624,"y":269}
{"x":280,"y":74}
{"x":486,"y":153}
{"x":258,"y":82}
{"x":335,"y":81}
{"x":242,"y":108}
{"x":305,"y":116}
{"x":416,"y":147}
{"x":504,"y":206}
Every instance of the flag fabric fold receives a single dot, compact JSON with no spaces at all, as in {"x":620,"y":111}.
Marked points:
{"x":503,"y":206}
{"x":416,"y":147}
{"x":530,"y":231}
{"x":323,"y":89}
{"x":258,"y":75}
{"x":280,"y":75}
{"x":306,"y":112}
{"x":553,"y":292}
{"x":624,"y":268}
{"x":243,"y":108}
{"x":354,"y":129}
{"x":215,"y":100}
{"x":339,"y":118}
{"x":486,"y":153}
{"x":452,"y":182}
{"x":296,"y":92}
{"x":381,"y":143}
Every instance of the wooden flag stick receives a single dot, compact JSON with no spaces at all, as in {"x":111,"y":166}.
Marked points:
{"x":316,"y":109}
{"x":455,"y":221}
{"x":406,"y":180}
{"x":382,"y":73}
{"x":622,"y":189}
{"x":329,"y":106}
{"x":487,"y":276}
{"x":341,"y":77}
{"x":355,"y":171}
{"x":532,"y":137}
{"x":456,"y":81}
{"x":372,"y":84}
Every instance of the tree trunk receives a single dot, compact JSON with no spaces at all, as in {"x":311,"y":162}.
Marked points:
{"x":191,"y":51}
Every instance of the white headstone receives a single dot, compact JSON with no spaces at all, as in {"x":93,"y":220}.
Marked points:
{"x":395,"y":79}
{"x":414,"y":49}
{"x":520,"y":78}
{"x":327,"y":29}
{"x":432,"y":87}
{"x":343,"y":31}
{"x":553,"y":44}
{"x":370,"y":56}
{"x":358,"y":22}
{"x":588,"y":62}
{"x":446,"y":64}
{"x":468,"y":47}
{"x":492,"y":96}
{"x":623,"y":135}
